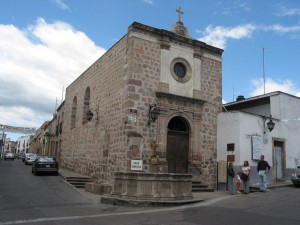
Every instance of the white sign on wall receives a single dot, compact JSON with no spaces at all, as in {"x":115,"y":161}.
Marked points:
{"x":256,"y":143}
{"x":136,"y":165}
{"x":132,"y":115}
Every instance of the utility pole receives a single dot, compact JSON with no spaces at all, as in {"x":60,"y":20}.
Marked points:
{"x":264,"y":77}
{"x":2,"y":146}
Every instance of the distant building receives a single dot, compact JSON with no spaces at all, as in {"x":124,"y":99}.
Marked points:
{"x":243,"y":132}
{"x":10,"y":146}
{"x":23,"y":144}
{"x":53,"y":134}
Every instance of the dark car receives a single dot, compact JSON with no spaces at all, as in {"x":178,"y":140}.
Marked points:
{"x":21,"y":155}
{"x":296,"y":177}
{"x":44,"y":164}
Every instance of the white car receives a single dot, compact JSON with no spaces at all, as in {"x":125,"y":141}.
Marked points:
{"x":29,"y":158}
{"x":9,"y":155}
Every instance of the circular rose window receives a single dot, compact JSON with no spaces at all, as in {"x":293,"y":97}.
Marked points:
{"x":181,"y":70}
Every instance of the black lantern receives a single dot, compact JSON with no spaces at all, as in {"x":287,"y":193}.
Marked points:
{"x":270,"y":125}
{"x":89,"y":115}
{"x":153,"y":113}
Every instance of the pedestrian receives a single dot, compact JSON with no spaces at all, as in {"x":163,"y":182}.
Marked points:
{"x":231,"y":181}
{"x":263,"y":168}
{"x":238,"y":182}
{"x":245,"y":176}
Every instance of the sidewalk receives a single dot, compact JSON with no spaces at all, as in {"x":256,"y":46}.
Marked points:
{"x":198,"y":196}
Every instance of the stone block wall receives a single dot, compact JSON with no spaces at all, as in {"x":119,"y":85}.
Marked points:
{"x":128,"y":76}
{"x":97,"y":147}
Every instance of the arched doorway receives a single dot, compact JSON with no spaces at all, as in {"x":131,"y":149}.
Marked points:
{"x":178,"y":145}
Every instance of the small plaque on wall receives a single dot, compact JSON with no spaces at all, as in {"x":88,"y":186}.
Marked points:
{"x":136,"y":165}
{"x":132,"y":115}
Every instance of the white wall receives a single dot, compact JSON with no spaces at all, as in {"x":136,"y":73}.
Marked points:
{"x":238,"y":128}
{"x":289,"y":131}
{"x":285,"y":107}
{"x":227,"y":132}
{"x":22,"y":140}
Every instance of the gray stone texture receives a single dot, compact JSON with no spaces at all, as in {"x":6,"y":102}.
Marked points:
{"x":134,"y":73}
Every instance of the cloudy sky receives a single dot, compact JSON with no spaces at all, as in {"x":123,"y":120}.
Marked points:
{"x":47,"y":44}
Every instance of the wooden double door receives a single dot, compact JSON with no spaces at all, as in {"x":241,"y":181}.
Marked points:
{"x":178,"y":145}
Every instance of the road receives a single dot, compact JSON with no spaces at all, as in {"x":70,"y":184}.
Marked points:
{"x":49,"y":200}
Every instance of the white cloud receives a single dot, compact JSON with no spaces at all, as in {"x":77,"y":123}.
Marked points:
{"x":149,"y":1}
{"x":61,"y":4}
{"x":284,"y":11}
{"x":281,"y":29}
{"x":235,"y":7}
{"x":286,"y":86}
{"x":244,"y":5}
{"x":218,"y":36}
{"x":36,"y":63}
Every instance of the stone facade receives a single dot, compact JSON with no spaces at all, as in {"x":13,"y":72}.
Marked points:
{"x":118,"y":89}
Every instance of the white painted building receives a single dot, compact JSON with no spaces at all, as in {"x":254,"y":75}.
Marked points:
{"x":23,"y":144}
{"x":244,"y":124}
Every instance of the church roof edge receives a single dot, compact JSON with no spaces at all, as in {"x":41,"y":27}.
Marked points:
{"x":171,"y":34}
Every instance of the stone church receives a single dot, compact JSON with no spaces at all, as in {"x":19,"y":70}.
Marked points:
{"x":149,"y":105}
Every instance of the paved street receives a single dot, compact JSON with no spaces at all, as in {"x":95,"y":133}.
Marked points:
{"x":49,"y":200}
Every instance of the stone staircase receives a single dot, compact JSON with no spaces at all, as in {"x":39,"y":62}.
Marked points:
{"x":197,"y":186}
{"x":78,"y":182}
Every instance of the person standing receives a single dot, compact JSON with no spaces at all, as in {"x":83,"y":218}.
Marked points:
{"x":246,"y":170}
{"x":263,"y":168}
{"x":231,"y":180}
{"x":238,"y":182}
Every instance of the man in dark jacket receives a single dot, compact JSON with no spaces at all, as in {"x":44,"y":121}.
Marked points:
{"x":263,"y":168}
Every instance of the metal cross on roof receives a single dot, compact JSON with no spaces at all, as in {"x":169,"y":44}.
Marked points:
{"x":180,"y":12}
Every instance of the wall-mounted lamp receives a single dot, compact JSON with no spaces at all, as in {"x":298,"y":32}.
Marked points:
{"x":47,"y":134}
{"x":270,"y":124}
{"x":153,"y":113}
{"x":89,"y":115}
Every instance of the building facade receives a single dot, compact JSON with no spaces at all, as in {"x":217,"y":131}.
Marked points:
{"x":245,"y":125}
{"x":23,"y":144}
{"x":107,"y":113}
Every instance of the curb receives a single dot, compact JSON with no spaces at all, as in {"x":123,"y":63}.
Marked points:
{"x":137,"y":203}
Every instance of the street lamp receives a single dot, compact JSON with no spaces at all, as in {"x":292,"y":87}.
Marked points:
{"x":89,"y":115}
{"x":270,"y":124}
{"x":153,"y":113}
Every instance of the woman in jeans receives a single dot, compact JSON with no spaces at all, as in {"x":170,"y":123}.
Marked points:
{"x":231,"y":181}
{"x":246,"y":170}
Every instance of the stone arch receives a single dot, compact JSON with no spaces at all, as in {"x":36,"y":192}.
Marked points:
{"x":86,"y":104}
{"x":74,"y":112}
{"x":178,"y":144}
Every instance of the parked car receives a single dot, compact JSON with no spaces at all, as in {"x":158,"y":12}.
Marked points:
{"x":9,"y":155}
{"x":44,"y":164}
{"x":21,"y":155}
{"x":29,"y":158}
{"x":296,"y":177}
